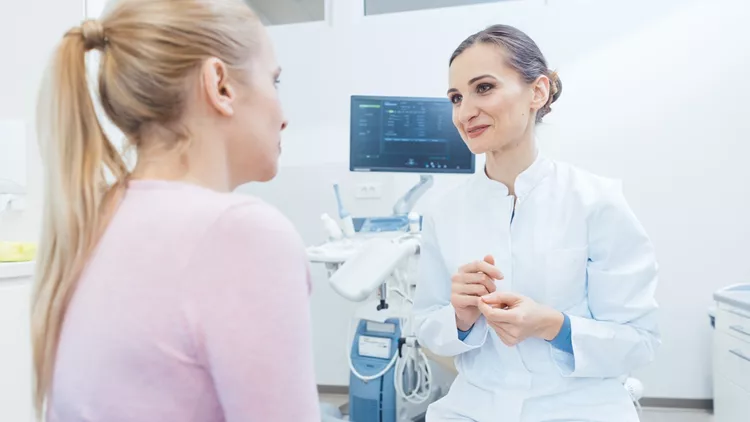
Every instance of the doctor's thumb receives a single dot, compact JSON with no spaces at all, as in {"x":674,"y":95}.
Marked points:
{"x":489,"y":259}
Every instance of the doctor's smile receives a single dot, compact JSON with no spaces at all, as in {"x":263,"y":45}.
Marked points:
{"x":476,"y":131}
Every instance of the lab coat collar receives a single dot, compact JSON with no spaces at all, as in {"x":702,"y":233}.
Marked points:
{"x":525,"y":182}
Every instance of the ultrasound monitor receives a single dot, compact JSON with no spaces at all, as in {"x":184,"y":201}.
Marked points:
{"x":406,"y":134}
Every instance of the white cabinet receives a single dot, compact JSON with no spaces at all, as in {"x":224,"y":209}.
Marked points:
{"x":731,"y":356}
{"x":15,"y":343}
{"x":731,"y":402}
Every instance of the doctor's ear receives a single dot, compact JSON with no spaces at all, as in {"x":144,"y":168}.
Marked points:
{"x":540,"y":93}
{"x":219,"y":91}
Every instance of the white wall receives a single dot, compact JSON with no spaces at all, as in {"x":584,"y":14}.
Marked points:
{"x":28,"y":32}
{"x":661,"y":109}
{"x":654,"y":94}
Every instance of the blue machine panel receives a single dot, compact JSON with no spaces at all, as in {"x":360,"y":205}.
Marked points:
{"x":374,"y":401}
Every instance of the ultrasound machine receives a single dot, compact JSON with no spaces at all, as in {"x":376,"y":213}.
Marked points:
{"x":405,"y":135}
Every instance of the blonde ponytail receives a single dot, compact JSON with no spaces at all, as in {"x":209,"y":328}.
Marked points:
{"x":76,"y":153}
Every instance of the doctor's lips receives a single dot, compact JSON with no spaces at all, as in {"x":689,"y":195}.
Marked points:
{"x":476,"y":131}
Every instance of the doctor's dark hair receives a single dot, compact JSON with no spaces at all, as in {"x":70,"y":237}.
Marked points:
{"x":524,"y":56}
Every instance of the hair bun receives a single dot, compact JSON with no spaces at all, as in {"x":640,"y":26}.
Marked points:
{"x":555,"y":88}
{"x":92,"y":32}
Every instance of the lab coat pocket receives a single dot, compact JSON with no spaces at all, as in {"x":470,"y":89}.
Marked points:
{"x":564,"y":276}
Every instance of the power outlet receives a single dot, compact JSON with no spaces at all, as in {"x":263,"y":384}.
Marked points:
{"x":369,"y":190}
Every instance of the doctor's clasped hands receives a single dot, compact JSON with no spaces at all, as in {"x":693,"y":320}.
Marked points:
{"x":513,"y":317}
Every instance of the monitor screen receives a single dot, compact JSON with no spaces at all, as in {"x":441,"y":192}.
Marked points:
{"x":401,"y":134}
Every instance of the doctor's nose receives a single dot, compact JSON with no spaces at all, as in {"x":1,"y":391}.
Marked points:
{"x":467,"y":112}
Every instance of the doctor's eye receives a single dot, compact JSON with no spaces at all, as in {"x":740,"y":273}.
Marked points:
{"x":455,"y":99}
{"x":484,"y":88}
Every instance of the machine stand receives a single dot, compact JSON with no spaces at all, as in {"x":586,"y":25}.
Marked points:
{"x":405,"y":204}
{"x":383,"y":293}
{"x":382,"y":305}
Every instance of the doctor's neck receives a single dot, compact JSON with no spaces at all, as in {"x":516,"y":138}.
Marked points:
{"x":506,"y":164}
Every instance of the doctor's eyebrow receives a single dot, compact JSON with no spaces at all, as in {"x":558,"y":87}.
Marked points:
{"x":472,"y":81}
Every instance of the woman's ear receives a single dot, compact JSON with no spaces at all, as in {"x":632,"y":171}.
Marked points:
{"x":219,"y":90}
{"x":540,"y":92}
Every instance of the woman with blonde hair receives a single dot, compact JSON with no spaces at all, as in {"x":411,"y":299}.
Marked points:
{"x":162,"y":296}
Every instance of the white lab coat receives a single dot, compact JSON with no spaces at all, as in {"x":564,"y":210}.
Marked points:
{"x":573,"y":244}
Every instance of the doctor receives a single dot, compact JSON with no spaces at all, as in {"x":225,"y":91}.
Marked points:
{"x":534,"y":274}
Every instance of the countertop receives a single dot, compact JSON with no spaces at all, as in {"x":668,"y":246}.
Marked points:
{"x":15,"y":270}
{"x":736,"y":296}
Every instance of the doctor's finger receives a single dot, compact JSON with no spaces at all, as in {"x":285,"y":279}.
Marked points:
{"x":485,"y":309}
{"x":501,"y":316}
{"x":469,"y":289}
{"x":504,"y":299}
{"x":463,"y":301}
{"x":481,"y":279}
{"x":482,"y":267}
